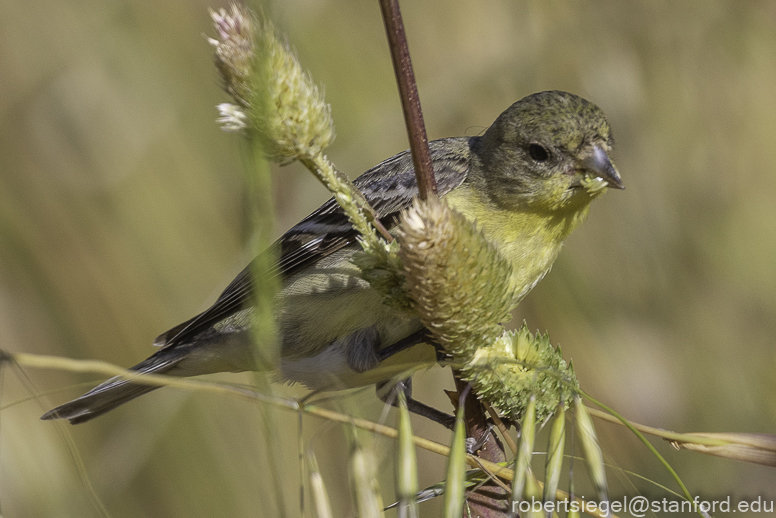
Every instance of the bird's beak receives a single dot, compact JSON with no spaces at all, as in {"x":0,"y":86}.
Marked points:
{"x":598,"y":164}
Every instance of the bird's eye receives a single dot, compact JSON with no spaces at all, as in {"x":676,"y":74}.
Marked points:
{"x":538,"y":152}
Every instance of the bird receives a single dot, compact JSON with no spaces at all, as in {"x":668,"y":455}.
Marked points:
{"x":523,"y":183}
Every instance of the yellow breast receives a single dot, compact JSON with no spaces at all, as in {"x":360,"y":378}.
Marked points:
{"x":530,"y":241}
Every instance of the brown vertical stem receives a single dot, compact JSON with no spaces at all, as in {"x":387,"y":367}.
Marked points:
{"x":490,"y":499}
{"x":410,"y":102}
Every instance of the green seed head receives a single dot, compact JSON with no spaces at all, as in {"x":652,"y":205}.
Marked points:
{"x":518,"y":365}
{"x":297,"y":123}
{"x":274,"y":96}
{"x":458,"y":281}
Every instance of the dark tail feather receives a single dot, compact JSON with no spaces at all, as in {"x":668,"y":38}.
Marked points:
{"x":93,"y":404}
{"x":112,"y":393}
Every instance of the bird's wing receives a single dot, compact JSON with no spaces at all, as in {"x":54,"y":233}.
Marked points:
{"x":389,"y":187}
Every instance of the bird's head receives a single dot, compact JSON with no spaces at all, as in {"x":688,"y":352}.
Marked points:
{"x":548,"y":152}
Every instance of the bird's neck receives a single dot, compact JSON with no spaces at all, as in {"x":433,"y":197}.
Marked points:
{"x":529,"y":240}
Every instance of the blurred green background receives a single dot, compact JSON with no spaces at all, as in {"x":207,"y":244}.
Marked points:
{"x":123,"y":211}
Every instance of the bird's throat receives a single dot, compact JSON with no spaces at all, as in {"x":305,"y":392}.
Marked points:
{"x":529,"y":240}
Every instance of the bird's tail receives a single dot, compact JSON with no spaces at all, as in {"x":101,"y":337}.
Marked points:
{"x":112,"y":393}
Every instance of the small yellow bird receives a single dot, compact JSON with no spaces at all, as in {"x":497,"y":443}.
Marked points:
{"x":527,"y":182}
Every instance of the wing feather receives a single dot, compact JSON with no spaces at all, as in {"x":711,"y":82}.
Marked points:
{"x":389,"y":187}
